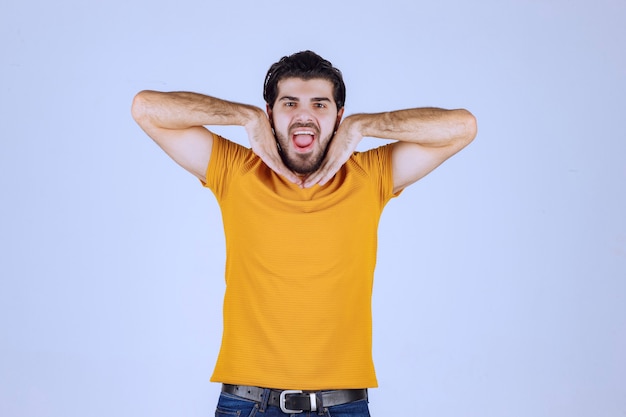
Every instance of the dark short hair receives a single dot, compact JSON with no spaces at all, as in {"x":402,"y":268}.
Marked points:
{"x":306,"y":65}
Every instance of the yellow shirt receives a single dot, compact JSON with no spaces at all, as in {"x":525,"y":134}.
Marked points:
{"x":299,"y":271}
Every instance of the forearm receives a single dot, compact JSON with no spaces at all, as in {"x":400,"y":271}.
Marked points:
{"x":181,"y":110}
{"x":431,"y":127}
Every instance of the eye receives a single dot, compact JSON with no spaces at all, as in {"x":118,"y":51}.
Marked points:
{"x":319,"y":105}
{"x":290,"y":104}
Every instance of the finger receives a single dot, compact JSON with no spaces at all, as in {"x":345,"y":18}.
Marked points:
{"x":321,"y":176}
{"x":329,"y":173}
{"x":272,"y":159}
{"x":314,"y":177}
{"x":279,"y":167}
{"x":290,"y":176}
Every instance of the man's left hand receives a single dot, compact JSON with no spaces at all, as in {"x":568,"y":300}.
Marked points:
{"x":342,"y":146}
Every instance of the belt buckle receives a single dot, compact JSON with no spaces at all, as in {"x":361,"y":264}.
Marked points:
{"x":282,"y":400}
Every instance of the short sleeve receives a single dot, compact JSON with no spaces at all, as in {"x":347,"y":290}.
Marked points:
{"x":377,"y":163}
{"x":226,"y":159}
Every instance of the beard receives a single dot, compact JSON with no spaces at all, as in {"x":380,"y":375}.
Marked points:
{"x":302,"y":164}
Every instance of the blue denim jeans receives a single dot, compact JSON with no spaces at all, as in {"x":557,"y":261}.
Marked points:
{"x":232,"y":406}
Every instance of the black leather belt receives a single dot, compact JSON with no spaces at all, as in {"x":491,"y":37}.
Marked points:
{"x":297,"y":401}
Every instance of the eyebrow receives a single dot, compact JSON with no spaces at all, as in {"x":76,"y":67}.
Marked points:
{"x":291,"y":98}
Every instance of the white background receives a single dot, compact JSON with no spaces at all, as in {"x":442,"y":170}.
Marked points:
{"x":501,"y":282}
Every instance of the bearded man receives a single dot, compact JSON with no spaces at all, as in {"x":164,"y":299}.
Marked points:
{"x":300,"y":210}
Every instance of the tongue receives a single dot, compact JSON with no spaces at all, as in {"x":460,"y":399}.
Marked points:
{"x":303,"y":140}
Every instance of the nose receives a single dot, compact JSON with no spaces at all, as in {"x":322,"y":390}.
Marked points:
{"x":303,"y":116}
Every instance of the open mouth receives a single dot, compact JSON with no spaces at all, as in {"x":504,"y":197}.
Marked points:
{"x":303,"y":139}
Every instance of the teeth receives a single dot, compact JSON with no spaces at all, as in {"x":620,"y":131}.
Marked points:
{"x":303,"y":132}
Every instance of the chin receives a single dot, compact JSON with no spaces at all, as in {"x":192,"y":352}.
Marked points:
{"x":303,"y":170}
{"x":301,"y":165}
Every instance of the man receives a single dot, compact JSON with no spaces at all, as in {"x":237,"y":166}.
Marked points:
{"x":300,"y":212}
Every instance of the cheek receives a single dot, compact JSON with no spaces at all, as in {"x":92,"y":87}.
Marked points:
{"x":280,"y":121}
{"x":330,"y":125}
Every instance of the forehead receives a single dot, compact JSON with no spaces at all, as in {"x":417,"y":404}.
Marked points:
{"x":297,"y":87}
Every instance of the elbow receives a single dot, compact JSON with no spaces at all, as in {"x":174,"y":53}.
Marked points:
{"x":468,"y":127}
{"x":140,"y":105}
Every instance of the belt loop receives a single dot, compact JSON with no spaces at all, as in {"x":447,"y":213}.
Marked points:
{"x":320,"y":405}
{"x":265,"y":397}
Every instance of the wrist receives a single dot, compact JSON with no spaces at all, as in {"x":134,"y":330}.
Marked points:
{"x":255,"y":120}
{"x":354,"y":125}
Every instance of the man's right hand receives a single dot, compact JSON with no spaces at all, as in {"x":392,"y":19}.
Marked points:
{"x":263,"y":144}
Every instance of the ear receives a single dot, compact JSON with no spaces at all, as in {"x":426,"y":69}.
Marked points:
{"x":268,"y":109}
{"x":339,"y":116}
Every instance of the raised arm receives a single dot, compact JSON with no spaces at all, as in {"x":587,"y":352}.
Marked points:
{"x":425,"y":137}
{"x":176,"y":120}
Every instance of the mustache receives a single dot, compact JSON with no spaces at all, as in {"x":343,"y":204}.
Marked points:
{"x":304,"y":125}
